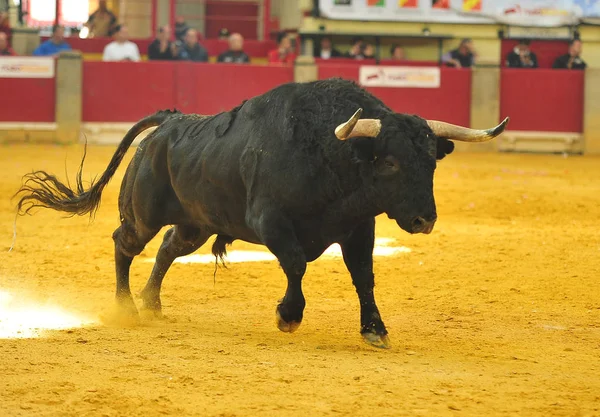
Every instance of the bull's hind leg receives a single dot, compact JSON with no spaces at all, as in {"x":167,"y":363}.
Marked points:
{"x":358,"y":257}
{"x":178,"y":241}
{"x":129,"y":241}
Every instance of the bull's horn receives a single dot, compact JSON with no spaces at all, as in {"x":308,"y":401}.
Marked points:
{"x":464,"y":134}
{"x":358,"y":127}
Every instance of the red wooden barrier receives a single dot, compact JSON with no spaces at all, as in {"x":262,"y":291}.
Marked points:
{"x":27,"y":99}
{"x":127,"y":91}
{"x":450,"y":103}
{"x":546,"y":51}
{"x":253,"y":48}
{"x":542,"y":99}
{"x":212,"y":88}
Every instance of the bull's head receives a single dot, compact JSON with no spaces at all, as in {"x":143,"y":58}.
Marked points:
{"x":404,"y":150}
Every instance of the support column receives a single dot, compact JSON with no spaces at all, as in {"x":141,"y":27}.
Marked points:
{"x":69,"y":80}
{"x":591,"y":112}
{"x":25,"y":40}
{"x":305,"y":69}
{"x":485,"y":107}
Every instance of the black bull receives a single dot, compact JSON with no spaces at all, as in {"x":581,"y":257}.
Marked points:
{"x":281,"y":170}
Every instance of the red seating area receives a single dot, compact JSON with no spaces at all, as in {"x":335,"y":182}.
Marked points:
{"x":253,"y":48}
{"x":241,"y":15}
{"x":541,"y":100}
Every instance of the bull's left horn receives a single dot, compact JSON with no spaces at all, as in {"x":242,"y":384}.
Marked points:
{"x":356,"y":126}
{"x":464,"y":134}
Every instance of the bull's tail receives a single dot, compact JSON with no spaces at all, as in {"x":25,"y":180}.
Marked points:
{"x":42,"y":189}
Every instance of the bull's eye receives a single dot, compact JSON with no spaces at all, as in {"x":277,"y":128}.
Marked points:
{"x":388,"y":165}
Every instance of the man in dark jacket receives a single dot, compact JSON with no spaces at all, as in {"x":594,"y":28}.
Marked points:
{"x":326,"y":50}
{"x":521,"y":56}
{"x":462,"y":57}
{"x":162,"y":49}
{"x":235,"y":54}
{"x":191,"y":50}
{"x":571,"y":60}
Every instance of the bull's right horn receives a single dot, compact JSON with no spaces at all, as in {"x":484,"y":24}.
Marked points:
{"x":465,"y":134}
{"x":356,"y":126}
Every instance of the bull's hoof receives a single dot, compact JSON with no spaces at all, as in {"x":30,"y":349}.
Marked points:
{"x":123,"y":314}
{"x":376,"y":340}
{"x":286,"y":327}
{"x":151,"y":314}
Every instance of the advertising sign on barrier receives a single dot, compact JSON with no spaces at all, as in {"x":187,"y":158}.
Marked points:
{"x":26,"y":67}
{"x":401,"y":77}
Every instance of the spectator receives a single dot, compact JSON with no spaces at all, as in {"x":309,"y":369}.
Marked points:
{"x":224,"y":34}
{"x":326,"y":50}
{"x":369,"y":51}
{"x":397,"y":53}
{"x":572,"y":59}
{"x":357,"y":49}
{"x":522,"y":56}
{"x":180,"y":28}
{"x":102,"y":23}
{"x":236,"y":53}
{"x":161,"y":49}
{"x":55,"y":44}
{"x":284,"y":53}
{"x":5,"y":26}
{"x":121,"y":49}
{"x":191,"y":50}
{"x":5,"y":50}
{"x":461,"y":57}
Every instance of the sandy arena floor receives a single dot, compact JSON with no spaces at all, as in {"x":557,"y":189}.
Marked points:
{"x":495,"y":313}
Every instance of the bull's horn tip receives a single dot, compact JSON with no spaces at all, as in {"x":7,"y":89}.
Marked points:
{"x":499,"y":129}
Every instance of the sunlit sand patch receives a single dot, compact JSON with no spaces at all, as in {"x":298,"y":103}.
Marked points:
{"x":24,"y":319}
{"x":382,"y":248}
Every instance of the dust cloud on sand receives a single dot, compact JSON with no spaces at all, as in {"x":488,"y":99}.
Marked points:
{"x":22,"y":318}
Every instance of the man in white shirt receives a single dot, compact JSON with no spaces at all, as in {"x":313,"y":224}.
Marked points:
{"x":121,"y":49}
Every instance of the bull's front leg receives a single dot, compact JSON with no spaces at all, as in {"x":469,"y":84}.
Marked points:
{"x":276,"y":232}
{"x":358,"y":256}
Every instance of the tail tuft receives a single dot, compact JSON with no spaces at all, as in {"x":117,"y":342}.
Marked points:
{"x":219,"y":248}
{"x":42,"y":189}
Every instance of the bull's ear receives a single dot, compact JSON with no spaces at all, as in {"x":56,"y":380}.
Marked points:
{"x":444,"y":147}
{"x":364,"y":149}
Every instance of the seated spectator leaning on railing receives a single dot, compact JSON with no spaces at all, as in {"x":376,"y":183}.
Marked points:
{"x":55,"y":44}
{"x":522,"y":56}
{"x":463,"y":56}
{"x":235,"y":54}
{"x":397,"y":53}
{"x":5,"y":26}
{"x":5,"y":50}
{"x":191,"y":50}
{"x":326,"y":50}
{"x":284,"y":54}
{"x":162,"y":48}
{"x":102,"y":22}
{"x":357,"y":49}
{"x":572,"y":59}
{"x":121,"y":49}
